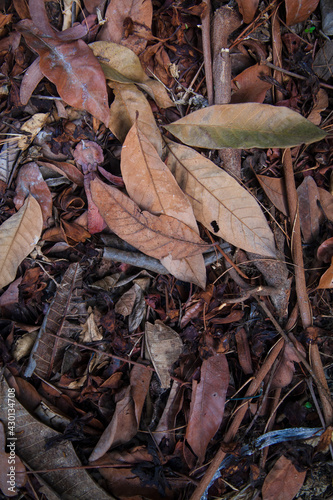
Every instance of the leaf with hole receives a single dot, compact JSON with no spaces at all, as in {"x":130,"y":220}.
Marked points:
{"x":245,"y":125}
{"x":219,"y":202}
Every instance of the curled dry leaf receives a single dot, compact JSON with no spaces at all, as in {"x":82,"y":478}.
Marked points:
{"x":32,"y":127}
{"x":66,"y":169}
{"x":246,"y":125}
{"x":129,"y":105}
{"x":154,"y":236}
{"x":285,"y":370}
{"x":30,"y":80}
{"x":248,"y":9}
{"x":207,"y":407}
{"x":219,"y":202}
{"x":299,"y":11}
{"x":19,"y":234}
{"x":164,"y":347}
{"x":121,"y":65}
{"x":152,"y":186}
{"x":321,"y":103}
{"x":30,"y":180}
{"x":283,"y":481}
{"x":326,"y":202}
{"x":121,"y":13}
{"x":72,"y":67}
{"x":325,"y":251}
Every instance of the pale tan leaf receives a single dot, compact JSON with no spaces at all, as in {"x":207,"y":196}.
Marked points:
{"x":130,"y":103}
{"x":219,"y":202}
{"x":275,"y":190}
{"x":326,"y":202}
{"x":283,"y":481}
{"x":321,"y":103}
{"x":245,"y":125}
{"x":155,"y":236}
{"x":153,"y":187}
{"x":140,"y":12}
{"x":32,"y":127}
{"x":125,"y":304}
{"x":121,"y":65}
{"x":19,"y":234}
{"x":164,"y":346}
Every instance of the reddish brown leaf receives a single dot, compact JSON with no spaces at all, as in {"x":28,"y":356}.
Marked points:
{"x":73,"y":68}
{"x":30,"y":80}
{"x":30,"y":180}
{"x":326,"y":202}
{"x":283,"y":481}
{"x":248,"y":87}
{"x":88,"y":154}
{"x":243,"y":351}
{"x":207,"y":407}
{"x":286,"y":369}
{"x":67,"y":169}
{"x":127,"y":20}
{"x":248,"y":9}
{"x":299,"y":11}
{"x":155,"y":236}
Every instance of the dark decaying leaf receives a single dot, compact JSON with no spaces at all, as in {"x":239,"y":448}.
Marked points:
{"x":246,"y":125}
{"x":47,"y":352}
{"x":207,"y":408}
{"x":157,"y":236}
{"x":72,"y":67}
{"x":31,"y":447}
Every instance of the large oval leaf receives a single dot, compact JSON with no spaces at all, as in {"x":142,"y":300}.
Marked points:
{"x":19,"y":234}
{"x":152,"y":186}
{"x":155,"y":236}
{"x":219,"y":202}
{"x":246,"y":125}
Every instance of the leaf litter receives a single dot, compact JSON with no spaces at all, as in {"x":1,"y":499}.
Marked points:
{"x":206,"y":377}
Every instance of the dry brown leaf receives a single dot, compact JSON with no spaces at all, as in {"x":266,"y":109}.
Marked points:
{"x":32,"y":127}
{"x":72,"y":67}
{"x":325,"y":251}
{"x":19,"y":234}
{"x":310,"y":214}
{"x":248,"y":9}
{"x":249,"y":87}
{"x":326,"y":201}
{"x":129,"y":105}
{"x":152,"y":186}
{"x":126,"y":419}
{"x":164,"y":346}
{"x":207,"y":407}
{"x":126,"y":20}
{"x":326,"y":281}
{"x":219,"y":202}
{"x":157,"y":236}
{"x":283,"y":481}
{"x":275,"y":189}
{"x":299,"y":11}
{"x":285,"y":369}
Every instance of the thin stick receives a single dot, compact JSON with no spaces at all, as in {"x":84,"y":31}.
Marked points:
{"x":207,"y":52}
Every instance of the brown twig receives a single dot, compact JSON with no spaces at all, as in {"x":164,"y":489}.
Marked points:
{"x":207,"y":52}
